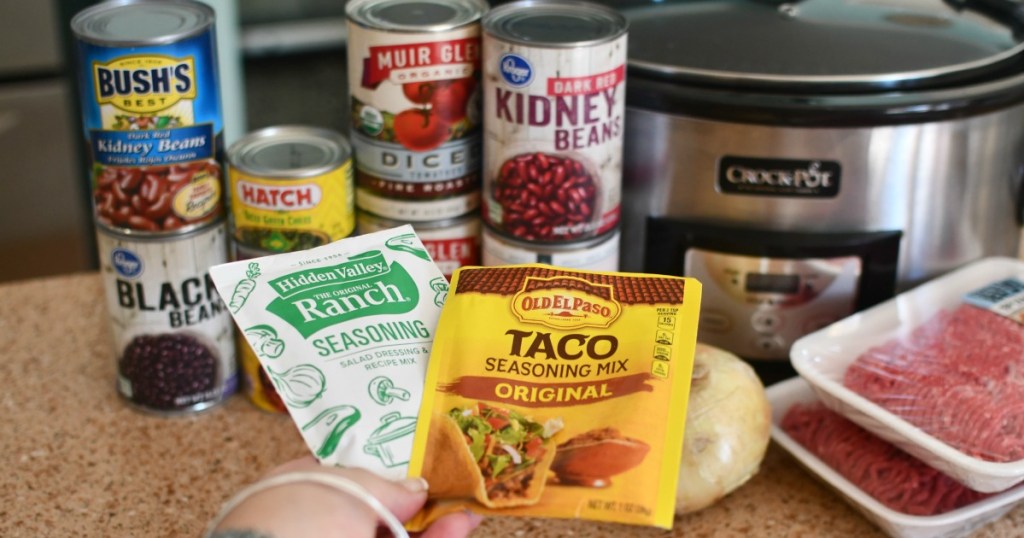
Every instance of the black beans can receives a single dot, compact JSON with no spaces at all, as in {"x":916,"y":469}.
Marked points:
{"x":172,"y":334}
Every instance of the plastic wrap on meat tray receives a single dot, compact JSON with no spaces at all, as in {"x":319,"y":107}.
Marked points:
{"x":880,"y":469}
{"x":959,"y":377}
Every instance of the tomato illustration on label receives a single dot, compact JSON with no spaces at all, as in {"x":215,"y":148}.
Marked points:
{"x":451,"y":97}
{"x":420,"y":129}
{"x":419,"y":92}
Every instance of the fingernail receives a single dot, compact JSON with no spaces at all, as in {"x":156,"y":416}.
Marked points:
{"x":415,"y":484}
{"x":474,"y":519}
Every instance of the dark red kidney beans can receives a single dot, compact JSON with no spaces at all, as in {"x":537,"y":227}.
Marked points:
{"x":451,"y":243}
{"x":172,"y":333}
{"x":151,"y":113}
{"x":554,"y":103}
{"x":414,"y":88}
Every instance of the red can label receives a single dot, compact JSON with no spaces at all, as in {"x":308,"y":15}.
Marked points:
{"x":450,"y":244}
{"x":553,"y":139}
{"x":415,"y":110}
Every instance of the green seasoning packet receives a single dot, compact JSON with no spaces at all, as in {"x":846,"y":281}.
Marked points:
{"x":344,"y":332}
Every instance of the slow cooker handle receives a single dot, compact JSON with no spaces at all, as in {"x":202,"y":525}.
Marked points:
{"x":1010,"y":12}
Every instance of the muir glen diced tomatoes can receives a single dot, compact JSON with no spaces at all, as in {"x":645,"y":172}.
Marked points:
{"x":451,"y":243}
{"x":554,"y":102}
{"x":172,"y":333}
{"x":291,"y":188}
{"x":413,"y":68}
{"x":151,"y":114}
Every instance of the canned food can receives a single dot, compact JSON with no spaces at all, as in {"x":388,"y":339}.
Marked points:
{"x":451,"y":243}
{"x":554,"y":104}
{"x":151,"y":113}
{"x":414,"y":77}
{"x":291,"y":188}
{"x":596,"y":254}
{"x":172,"y":333}
{"x":255,"y":383}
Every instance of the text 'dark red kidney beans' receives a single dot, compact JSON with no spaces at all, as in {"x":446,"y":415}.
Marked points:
{"x":172,"y":334}
{"x":553,"y":119}
{"x":151,"y":114}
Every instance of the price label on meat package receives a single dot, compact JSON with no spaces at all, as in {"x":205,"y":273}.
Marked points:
{"x":344,"y":332}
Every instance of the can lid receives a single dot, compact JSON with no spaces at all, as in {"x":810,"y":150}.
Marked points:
{"x":555,"y":23}
{"x":141,"y":22}
{"x":289,"y":151}
{"x":415,"y":15}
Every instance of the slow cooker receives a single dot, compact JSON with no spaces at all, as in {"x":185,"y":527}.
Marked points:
{"x":806,"y":160}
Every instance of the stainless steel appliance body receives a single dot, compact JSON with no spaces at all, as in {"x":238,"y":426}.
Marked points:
{"x":952,"y":187}
{"x":810,"y":159}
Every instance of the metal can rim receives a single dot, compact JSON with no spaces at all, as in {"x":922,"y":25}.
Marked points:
{"x":240,"y":152}
{"x":80,"y":22}
{"x":137,"y":235}
{"x":356,"y":13}
{"x":492,"y":21}
{"x":552,"y":246}
{"x":437,"y":224}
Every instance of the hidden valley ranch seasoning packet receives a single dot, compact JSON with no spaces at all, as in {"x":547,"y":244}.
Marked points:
{"x":557,"y":393}
{"x":344,"y":332}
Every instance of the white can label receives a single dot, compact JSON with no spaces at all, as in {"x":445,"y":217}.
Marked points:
{"x":450,"y":247}
{"x":172,"y":334}
{"x":415,"y":111}
{"x":553,"y":139}
{"x":603,"y":256}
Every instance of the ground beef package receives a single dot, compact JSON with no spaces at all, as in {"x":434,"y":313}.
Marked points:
{"x":558,"y":393}
{"x":959,"y":376}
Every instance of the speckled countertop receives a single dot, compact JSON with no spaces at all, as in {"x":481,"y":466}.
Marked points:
{"x":78,"y":462}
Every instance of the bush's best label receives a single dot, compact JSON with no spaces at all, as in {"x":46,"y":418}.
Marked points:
{"x":152,"y":120}
{"x":553,"y":139}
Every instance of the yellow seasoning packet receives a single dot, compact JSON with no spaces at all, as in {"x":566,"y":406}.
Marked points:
{"x":557,"y":393}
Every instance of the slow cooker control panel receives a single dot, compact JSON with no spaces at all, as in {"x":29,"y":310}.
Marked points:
{"x":758,"y":306}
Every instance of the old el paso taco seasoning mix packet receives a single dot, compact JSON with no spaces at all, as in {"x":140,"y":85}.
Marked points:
{"x":557,"y":393}
{"x":344,"y":333}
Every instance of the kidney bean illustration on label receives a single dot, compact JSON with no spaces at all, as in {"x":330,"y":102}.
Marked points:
{"x":545,"y":196}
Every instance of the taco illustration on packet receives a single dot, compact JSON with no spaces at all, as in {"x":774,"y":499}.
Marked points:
{"x":496,"y":456}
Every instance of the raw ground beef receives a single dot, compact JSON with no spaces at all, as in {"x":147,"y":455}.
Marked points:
{"x":959,"y":377}
{"x":893,"y":477}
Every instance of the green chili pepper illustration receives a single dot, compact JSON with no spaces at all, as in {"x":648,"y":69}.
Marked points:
{"x":342,"y":418}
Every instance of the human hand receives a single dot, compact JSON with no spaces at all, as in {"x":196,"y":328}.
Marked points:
{"x":309,"y":509}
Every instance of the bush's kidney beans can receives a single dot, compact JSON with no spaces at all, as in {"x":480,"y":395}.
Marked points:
{"x":451,"y":243}
{"x":172,"y":333}
{"x":414,"y":78}
{"x":255,"y":383}
{"x":596,"y":254}
{"x":291,"y":188}
{"x":151,"y":113}
{"x":554,"y":103}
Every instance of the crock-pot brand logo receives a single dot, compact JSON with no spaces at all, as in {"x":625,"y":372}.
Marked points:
{"x":516,"y":71}
{"x":565,"y":303}
{"x":126,"y":263}
{"x":145,"y":84}
{"x":778,"y":177}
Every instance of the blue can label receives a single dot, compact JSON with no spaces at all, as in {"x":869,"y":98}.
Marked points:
{"x":152,"y":120}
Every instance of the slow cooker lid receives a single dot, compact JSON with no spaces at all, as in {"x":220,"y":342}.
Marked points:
{"x":846,"y":44}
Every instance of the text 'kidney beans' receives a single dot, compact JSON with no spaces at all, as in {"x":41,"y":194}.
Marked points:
{"x":545,"y":197}
{"x":143,"y":198}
